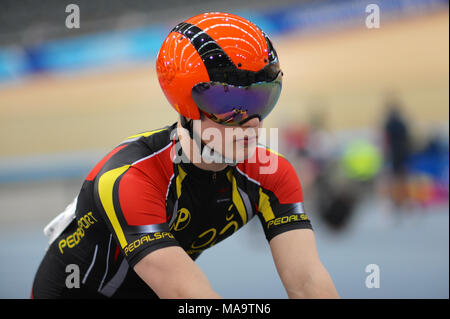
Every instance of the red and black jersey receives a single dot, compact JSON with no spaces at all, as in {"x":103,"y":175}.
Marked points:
{"x":145,"y":195}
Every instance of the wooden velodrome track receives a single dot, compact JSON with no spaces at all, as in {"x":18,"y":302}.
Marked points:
{"x":346,"y":73}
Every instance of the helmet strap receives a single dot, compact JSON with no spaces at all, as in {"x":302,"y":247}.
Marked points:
{"x":205,"y":151}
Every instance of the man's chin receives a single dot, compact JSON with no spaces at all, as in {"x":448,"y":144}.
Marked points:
{"x":244,"y":153}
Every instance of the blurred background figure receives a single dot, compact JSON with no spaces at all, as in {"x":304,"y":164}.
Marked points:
{"x":69,"y":95}
{"x":336,"y":175}
{"x":428,"y":184}
{"x":397,"y":151}
{"x":416,"y":166}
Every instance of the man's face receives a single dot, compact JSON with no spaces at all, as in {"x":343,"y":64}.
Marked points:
{"x":233,"y":142}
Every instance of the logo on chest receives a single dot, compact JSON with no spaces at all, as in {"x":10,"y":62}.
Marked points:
{"x":212,"y":235}
{"x":182,"y":221}
{"x":223,"y":195}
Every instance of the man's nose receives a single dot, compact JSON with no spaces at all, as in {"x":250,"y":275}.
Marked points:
{"x":254,"y":122}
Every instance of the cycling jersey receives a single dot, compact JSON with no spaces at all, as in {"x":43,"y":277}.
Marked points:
{"x":145,"y":195}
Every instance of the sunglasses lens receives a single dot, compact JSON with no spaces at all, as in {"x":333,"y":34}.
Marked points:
{"x":230,"y":105}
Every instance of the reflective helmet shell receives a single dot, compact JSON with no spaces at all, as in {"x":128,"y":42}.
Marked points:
{"x":202,"y":48}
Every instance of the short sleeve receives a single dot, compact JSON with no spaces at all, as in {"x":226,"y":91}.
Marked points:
{"x":280,"y":204}
{"x":133,"y":206}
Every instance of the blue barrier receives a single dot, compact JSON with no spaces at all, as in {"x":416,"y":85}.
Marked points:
{"x":13,"y":64}
{"x":111,"y":48}
{"x":96,"y":50}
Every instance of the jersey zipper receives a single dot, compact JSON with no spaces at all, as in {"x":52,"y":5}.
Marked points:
{"x":214,"y":178}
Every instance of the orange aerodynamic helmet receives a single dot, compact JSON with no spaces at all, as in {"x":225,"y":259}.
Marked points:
{"x":221,"y":65}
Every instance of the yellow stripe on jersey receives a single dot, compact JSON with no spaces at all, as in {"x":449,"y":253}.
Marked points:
{"x":236,"y":197}
{"x":180,"y":177}
{"x":271,"y":150}
{"x":105,"y":190}
{"x":146,"y":134}
{"x":264,"y":206}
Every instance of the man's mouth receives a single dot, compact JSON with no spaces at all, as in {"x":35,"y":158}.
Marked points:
{"x":247,"y":140}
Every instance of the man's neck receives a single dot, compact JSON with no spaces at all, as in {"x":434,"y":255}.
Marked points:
{"x":191,"y":150}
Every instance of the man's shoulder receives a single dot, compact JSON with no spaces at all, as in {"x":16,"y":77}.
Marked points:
{"x":267,"y":166}
{"x":273,"y":173}
{"x":134,"y":150}
{"x":264,"y":161}
{"x":153,"y":139}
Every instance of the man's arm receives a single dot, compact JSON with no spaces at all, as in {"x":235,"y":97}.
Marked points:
{"x":298,"y":264}
{"x":171,"y":273}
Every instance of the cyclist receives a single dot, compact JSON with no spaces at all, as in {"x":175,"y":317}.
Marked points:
{"x":150,"y":207}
